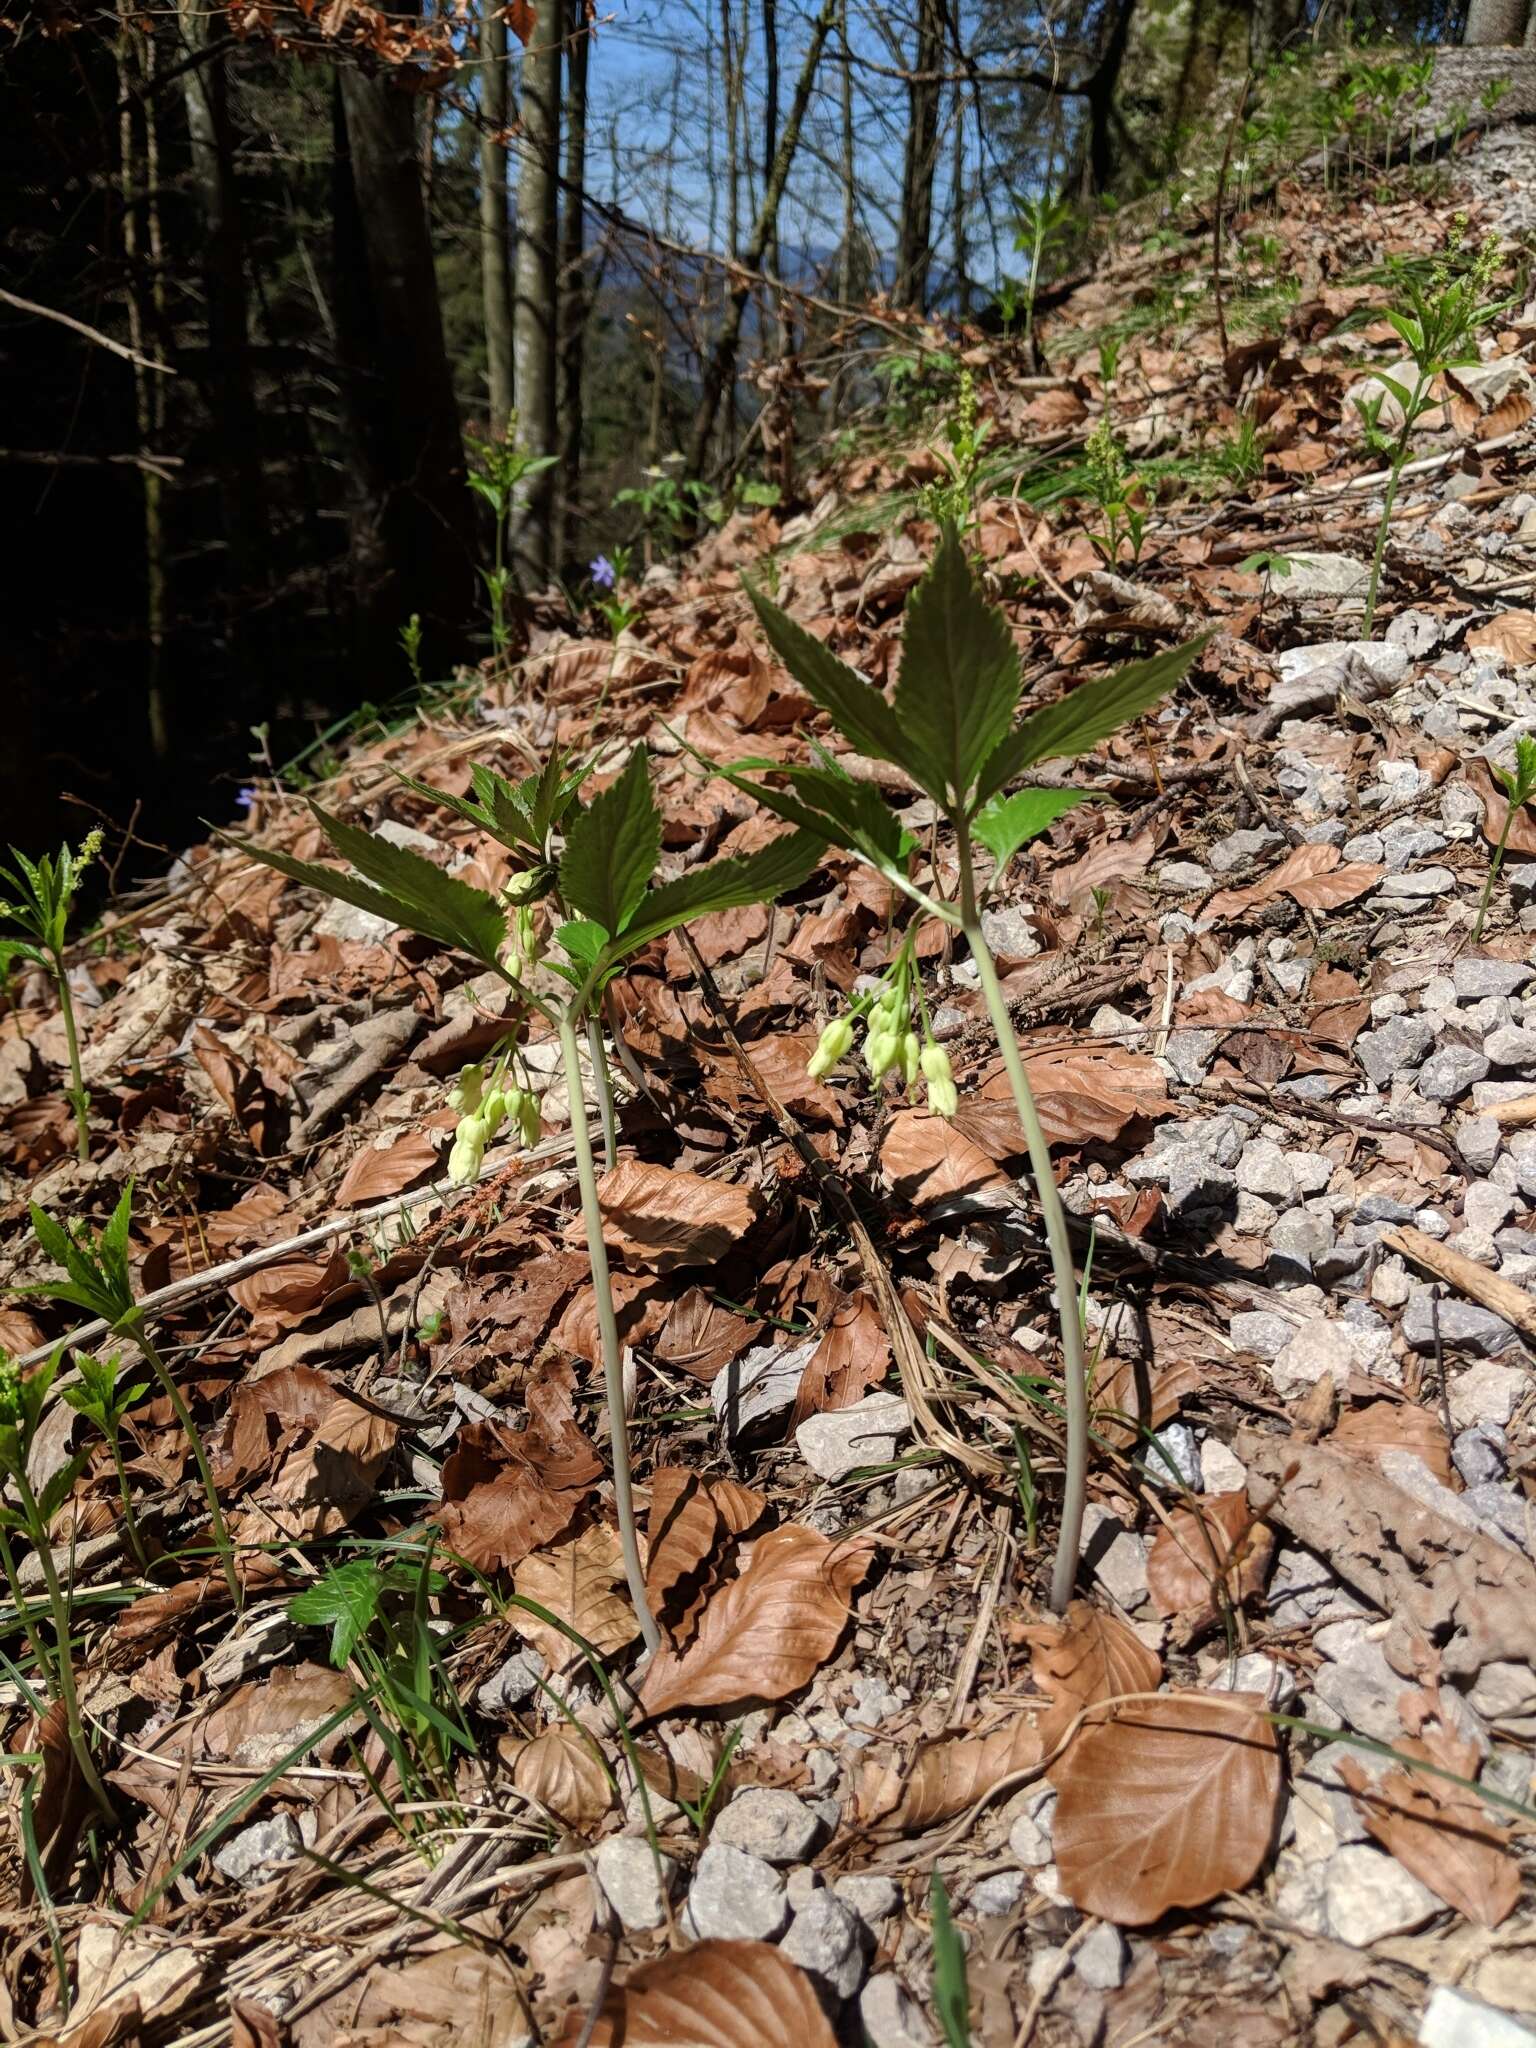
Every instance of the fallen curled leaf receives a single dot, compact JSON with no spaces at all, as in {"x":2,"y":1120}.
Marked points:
{"x":1172,"y":1802}
{"x":380,"y":1171}
{"x":1209,"y":1556}
{"x":506,"y":1491}
{"x":1081,"y":1093}
{"x":927,"y":1160}
{"x":1130,"y":1398}
{"x":1510,"y":633}
{"x":949,"y":1776}
{"x":286,"y":1291}
{"x":1522,"y":831}
{"x":561,"y":1770}
{"x":717,"y":1994}
{"x":852,"y":1357}
{"x":1439,"y":1830}
{"x":690,"y":1522}
{"x":445,"y":1998}
{"x":1310,"y":875}
{"x":764,"y":1635}
{"x":700,"y":1337}
{"x":576,"y":1582}
{"x":1086,"y":1657}
{"x":1396,"y":1426}
{"x":663,"y":1219}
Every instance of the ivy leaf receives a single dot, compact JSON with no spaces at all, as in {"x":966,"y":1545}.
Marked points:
{"x":959,"y":682}
{"x":1008,"y":822}
{"x":721,"y":885}
{"x":1088,"y":715}
{"x":611,"y":849}
{"x":346,"y":1599}
{"x":855,"y":707}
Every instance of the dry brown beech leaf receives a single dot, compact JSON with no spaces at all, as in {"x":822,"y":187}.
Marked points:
{"x":662,"y":1219}
{"x":700,"y":1337}
{"x":576,"y":1582}
{"x":852,"y":1357}
{"x":1522,"y":829}
{"x":950,"y":1775}
{"x":380,"y":1171}
{"x":764,"y":1635}
{"x":1212,"y":1554}
{"x":1086,"y":1657}
{"x":689,"y":1523}
{"x":717,"y":1994}
{"x":1310,"y":875}
{"x":1170,"y":1803}
{"x":1396,"y":1426}
{"x":927,"y":1160}
{"x":560,"y":1769}
{"x":1510,"y":633}
{"x":1440,"y":1831}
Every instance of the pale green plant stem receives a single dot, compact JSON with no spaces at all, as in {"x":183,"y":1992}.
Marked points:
{"x":78,"y":1096}
{"x":130,"y":1520}
{"x":604,"y":1080}
{"x":35,"y":1642}
{"x":1493,"y":870}
{"x":1074,"y":1371}
{"x":133,"y":1326}
{"x":1398,"y":460}
{"x":65,"y":1671}
{"x":608,"y":1329}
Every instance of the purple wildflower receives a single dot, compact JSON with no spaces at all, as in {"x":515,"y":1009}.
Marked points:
{"x":602,"y":573}
{"x":246,"y":797}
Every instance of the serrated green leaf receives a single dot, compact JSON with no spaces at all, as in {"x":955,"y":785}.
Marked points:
{"x":438,"y":905}
{"x":857,"y":708}
{"x":546,"y":797}
{"x":494,"y":808}
{"x":583,"y":942}
{"x":20,"y":949}
{"x":1088,"y":715}
{"x":611,"y":849}
{"x":1009,"y":822}
{"x":346,"y":1599}
{"x":721,"y":885}
{"x":959,"y":682}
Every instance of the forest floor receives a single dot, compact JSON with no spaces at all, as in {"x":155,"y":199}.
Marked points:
{"x":1293,"y":1110}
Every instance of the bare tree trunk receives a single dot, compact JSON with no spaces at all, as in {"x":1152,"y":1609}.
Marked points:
{"x":573,"y":281}
{"x":495,"y":240}
{"x":1494,"y":24}
{"x":771,"y":124}
{"x":957,"y":178}
{"x":849,"y":166}
{"x":230,"y":390}
{"x":142,"y":192}
{"x":720,"y":370}
{"x":537,"y":307}
{"x":915,"y":244}
{"x":412,"y":538}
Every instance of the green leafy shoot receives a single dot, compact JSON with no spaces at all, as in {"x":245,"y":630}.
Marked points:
{"x":347,"y":1601}
{"x":103,"y":1394}
{"x":951,"y":1990}
{"x":96,"y":1264}
{"x":1519,"y":788}
{"x":41,"y":897}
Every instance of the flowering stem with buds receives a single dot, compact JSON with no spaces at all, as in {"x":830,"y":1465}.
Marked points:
{"x":63,"y":1668}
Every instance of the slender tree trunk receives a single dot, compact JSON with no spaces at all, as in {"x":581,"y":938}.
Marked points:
{"x":495,"y":238}
{"x":573,"y":279}
{"x":140,"y":193}
{"x":230,"y":388}
{"x":849,"y":166}
{"x":771,"y":123}
{"x":412,"y":533}
{"x":1530,"y":31}
{"x":720,"y":370}
{"x":914,"y":251}
{"x":731,"y":64}
{"x":1495,"y":24}
{"x":957,"y":178}
{"x":1103,"y":88}
{"x":537,"y":307}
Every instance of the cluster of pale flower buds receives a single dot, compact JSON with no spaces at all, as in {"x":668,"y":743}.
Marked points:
{"x":484,"y":1106}
{"x":890,"y":1043}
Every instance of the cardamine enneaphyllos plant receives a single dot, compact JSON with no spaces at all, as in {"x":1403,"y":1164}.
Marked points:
{"x":45,"y":894}
{"x":1519,"y":790}
{"x":22,"y":1397}
{"x":1440,"y":322}
{"x":599,"y":884}
{"x":950,"y":726}
{"x":98,"y":1280}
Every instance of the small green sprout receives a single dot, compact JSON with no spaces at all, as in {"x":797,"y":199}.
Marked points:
{"x":45,"y":892}
{"x":1519,"y":787}
{"x":1110,"y":481}
{"x":103,"y":1394}
{"x":410,"y":646}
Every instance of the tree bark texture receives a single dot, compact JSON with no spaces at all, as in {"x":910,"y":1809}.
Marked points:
{"x":495,"y":222}
{"x":914,"y":249}
{"x":1494,"y":24}
{"x":536,"y":310}
{"x":573,"y":277}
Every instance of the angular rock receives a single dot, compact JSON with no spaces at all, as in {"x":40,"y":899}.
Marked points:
{"x":1449,"y":1072}
{"x":872,"y":1897}
{"x":1369,"y":1895}
{"x":1417,"y":885}
{"x":1478,"y":1139}
{"x":1239,"y":848}
{"x":1453,"y":2019}
{"x":258,"y":1852}
{"x":1261,"y":1332}
{"x":998,"y":1894}
{"x":769,"y":1823}
{"x":1172,"y":1458}
{"x":890,"y":2017}
{"x":1512,"y":1046}
{"x":1116,"y":1556}
{"x":1485,"y":1393}
{"x":626,"y":1871}
{"x":1401,"y":1044}
{"x":1464,"y":1326}
{"x":1313,"y":574}
{"x":1265,"y":1170}
{"x":735,"y":1897}
{"x":830,"y":1943}
{"x":759,"y":1385}
{"x":840,"y":1440}
{"x":1475,"y":975}
{"x":1101,"y":1958}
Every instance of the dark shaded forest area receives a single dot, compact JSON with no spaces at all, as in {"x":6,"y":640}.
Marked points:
{"x":270,"y":270}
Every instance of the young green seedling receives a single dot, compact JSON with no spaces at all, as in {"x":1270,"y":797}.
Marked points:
{"x":1520,"y":788}
{"x":103,"y":1394}
{"x":1440,"y":322}
{"x":501,"y":470}
{"x":951,"y":727}
{"x":1110,"y":481}
{"x":45,"y":894}
{"x":599,"y":884}
{"x":1043,"y":224}
{"x":22,"y":1397}
{"x":99,"y":1282}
